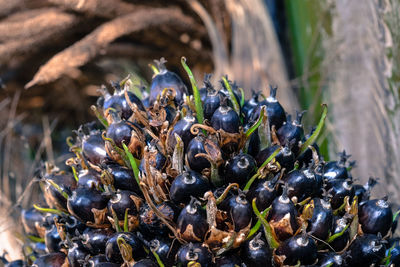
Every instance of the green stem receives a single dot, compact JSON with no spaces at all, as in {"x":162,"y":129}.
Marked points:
{"x":58,"y":188}
{"x":52,"y":211}
{"x":242,"y":97}
{"x":116,"y":221}
{"x":196,"y":93}
{"x":258,"y":223}
{"x":333,"y":237}
{"x":160,"y":263}
{"x":272,"y":242}
{"x":396,"y":215}
{"x":120,"y":151}
{"x":126,"y":226}
{"x":99,"y":116}
{"x":35,"y":238}
{"x":154,"y":68}
{"x":133,"y":163}
{"x":75,"y":174}
{"x":236,"y":106}
{"x":317,"y":131}
{"x":257,"y":124}
{"x":269,"y":159}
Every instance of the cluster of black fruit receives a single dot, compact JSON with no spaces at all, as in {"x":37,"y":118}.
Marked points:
{"x":203,"y":179}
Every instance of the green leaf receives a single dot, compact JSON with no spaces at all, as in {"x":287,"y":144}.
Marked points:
{"x":272,"y":242}
{"x":35,"y":238}
{"x":196,"y":93}
{"x":242,"y":97}
{"x":52,"y":211}
{"x":58,"y":188}
{"x":133,"y":163}
{"x":256,"y":124}
{"x":317,"y":131}
{"x":269,"y":159}
{"x":333,"y":237}
{"x":233,"y":99}
{"x":257,"y":226}
{"x":160,"y":263}
{"x":154,"y":69}
{"x":126,"y":226}
{"x":99,"y":116}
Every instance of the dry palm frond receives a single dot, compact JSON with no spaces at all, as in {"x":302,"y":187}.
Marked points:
{"x":90,"y":46}
{"x":359,"y":92}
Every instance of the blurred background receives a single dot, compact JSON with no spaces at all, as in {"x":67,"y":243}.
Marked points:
{"x":55,"y":54}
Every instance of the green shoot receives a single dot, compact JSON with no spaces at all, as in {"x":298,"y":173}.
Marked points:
{"x":196,"y":93}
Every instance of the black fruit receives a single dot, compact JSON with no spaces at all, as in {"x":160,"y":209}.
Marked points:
{"x":192,"y":222}
{"x":256,"y":252}
{"x":196,"y":252}
{"x":188,"y":184}
{"x":300,"y":248}
{"x":239,"y":169}
{"x":112,"y":250}
{"x":375,"y":216}
{"x":366,"y":250}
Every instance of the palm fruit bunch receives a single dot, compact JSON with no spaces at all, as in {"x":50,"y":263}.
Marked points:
{"x":203,"y":178}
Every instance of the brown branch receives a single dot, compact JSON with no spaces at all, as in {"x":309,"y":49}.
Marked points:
{"x":26,"y":25}
{"x":8,"y":6}
{"x":101,"y":8}
{"x":90,"y":46}
{"x":45,"y":32}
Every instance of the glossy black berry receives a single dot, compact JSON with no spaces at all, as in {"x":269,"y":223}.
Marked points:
{"x":195,"y":147}
{"x":188,"y":184}
{"x":331,"y":259}
{"x":240,"y":211}
{"x":118,"y":101}
{"x":302,"y":182}
{"x":339,"y":190}
{"x":182,"y":129}
{"x":125,"y":201}
{"x":336,"y":169}
{"x":192,"y":222}
{"x":196,"y":252}
{"x":166,"y":250}
{"x":322,"y":219}
{"x":249,"y":106}
{"x":89,"y":206}
{"x":123,"y":178}
{"x":256,"y":252}
{"x":239,"y":169}
{"x":366,"y":250}
{"x":77,"y":254}
{"x":95,"y":240}
{"x":298,"y":248}
{"x":375,"y":216}
{"x":93,"y":148}
{"x":225,"y":118}
{"x":166,"y":79}
{"x":32,"y":221}
{"x":211,"y":103}
{"x":282,"y":216}
{"x":55,"y":259}
{"x":52,"y":239}
{"x":54,"y":198}
{"x":112,"y":250}
{"x":89,"y":178}
{"x":291,"y":133}
{"x":264,"y":191}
